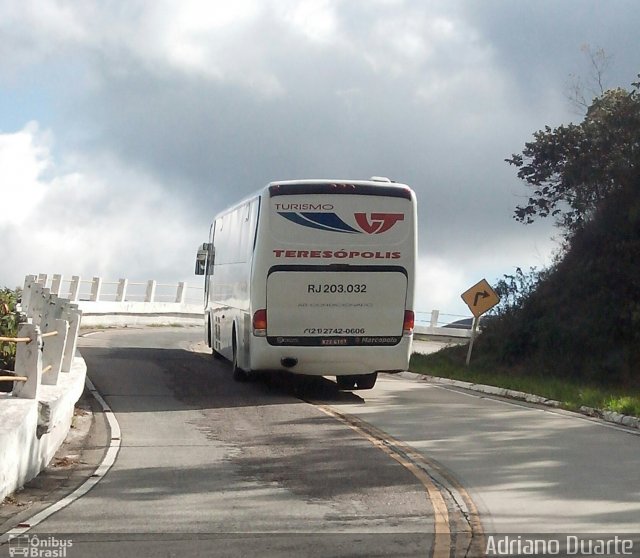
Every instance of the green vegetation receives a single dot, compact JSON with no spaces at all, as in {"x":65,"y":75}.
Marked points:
{"x":571,"y":393}
{"x":8,"y":327}
{"x":579,"y":319}
{"x":572,"y":332}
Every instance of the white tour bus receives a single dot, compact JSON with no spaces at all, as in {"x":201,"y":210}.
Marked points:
{"x":313,"y":277}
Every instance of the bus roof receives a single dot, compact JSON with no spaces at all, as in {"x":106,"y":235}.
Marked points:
{"x":376,"y":187}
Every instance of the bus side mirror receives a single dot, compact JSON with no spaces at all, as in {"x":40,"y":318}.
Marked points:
{"x":201,"y":262}
{"x":205,"y":254}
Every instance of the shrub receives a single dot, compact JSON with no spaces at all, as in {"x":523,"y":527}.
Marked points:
{"x":8,"y":326}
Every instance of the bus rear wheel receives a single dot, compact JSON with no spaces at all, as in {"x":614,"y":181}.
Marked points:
{"x":366,"y":381}
{"x":239,"y":375}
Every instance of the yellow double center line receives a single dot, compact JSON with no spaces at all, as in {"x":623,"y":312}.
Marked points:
{"x":468,"y":538}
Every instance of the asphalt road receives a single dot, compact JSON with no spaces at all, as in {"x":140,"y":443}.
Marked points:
{"x":208,"y":466}
{"x":529,"y":469}
{"x":284,"y":467}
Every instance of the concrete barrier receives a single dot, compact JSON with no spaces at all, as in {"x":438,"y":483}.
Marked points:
{"x":120,"y":314}
{"x":48,"y":380}
{"x":31,"y":431}
{"x":130,"y":303}
{"x":452,"y":329}
{"x":452,"y":333}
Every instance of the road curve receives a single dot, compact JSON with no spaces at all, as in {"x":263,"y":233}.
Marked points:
{"x":288,"y":466}
{"x":530,"y":469}
{"x":209,"y":464}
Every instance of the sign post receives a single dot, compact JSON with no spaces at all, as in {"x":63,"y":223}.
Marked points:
{"x":480,"y":299}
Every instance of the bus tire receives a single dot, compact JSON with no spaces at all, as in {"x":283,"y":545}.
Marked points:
{"x":239,"y":375}
{"x":367,"y":381}
{"x":217,"y":355}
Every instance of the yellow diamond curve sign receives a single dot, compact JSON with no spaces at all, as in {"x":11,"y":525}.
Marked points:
{"x":480,"y":298}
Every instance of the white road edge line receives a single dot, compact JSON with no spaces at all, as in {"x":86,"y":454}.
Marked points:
{"x":106,"y":464}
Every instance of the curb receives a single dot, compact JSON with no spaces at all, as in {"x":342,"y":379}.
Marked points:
{"x":607,"y":416}
{"x":105,"y":464}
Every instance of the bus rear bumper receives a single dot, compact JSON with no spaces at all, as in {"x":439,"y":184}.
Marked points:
{"x":330,"y":361}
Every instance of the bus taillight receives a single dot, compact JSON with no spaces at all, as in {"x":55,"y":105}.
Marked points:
{"x":260,"y":323}
{"x":409,"y":322}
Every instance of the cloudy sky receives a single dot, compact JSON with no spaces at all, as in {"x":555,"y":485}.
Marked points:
{"x":126,"y":124}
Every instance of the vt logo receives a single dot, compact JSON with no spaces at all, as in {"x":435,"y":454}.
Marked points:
{"x":379,"y":223}
{"x":372,"y":223}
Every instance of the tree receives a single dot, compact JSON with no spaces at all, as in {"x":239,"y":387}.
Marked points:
{"x":515,"y":289}
{"x":594,"y":84}
{"x":571,"y":169}
{"x":581,"y":317}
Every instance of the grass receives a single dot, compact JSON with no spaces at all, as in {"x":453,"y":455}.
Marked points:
{"x":572,"y":394}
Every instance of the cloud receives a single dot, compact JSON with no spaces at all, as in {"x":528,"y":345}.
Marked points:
{"x":95,"y":216}
{"x":24,"y":157}
{"x":88,"y":220}
{"x":182,"y":108}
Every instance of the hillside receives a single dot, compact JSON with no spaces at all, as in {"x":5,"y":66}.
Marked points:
{"x":583,"y":319}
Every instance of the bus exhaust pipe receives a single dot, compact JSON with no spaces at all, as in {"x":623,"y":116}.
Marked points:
{"x":288,"y":362}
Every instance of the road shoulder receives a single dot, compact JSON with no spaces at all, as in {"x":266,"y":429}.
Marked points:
{"x":75,"y":462}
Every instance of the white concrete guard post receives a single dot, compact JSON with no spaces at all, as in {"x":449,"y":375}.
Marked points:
{"x":181,"y":293}
{"x":35,"y":418}
{"x":96,"y":287}
{"x":29,"y":363}
{"x":72,"y":314}
{"x":150,"y":295}
{"x":56,"y":284}
{"x":36,"y":307}
{"x":53,"y":352}
{"x":435,"y":314}
{"x":121,"y":293}
{"x":74,"y":289}
{"x":27,"y":291}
